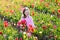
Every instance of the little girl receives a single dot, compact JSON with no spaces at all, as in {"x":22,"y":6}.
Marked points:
{"x":26,"y":16}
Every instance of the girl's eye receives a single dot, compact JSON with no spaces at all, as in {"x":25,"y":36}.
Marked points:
{"x":26,"y":12}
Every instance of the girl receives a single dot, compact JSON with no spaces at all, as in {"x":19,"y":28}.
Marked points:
{"x":26,"y":16}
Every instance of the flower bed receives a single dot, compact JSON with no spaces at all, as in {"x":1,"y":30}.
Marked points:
{"x":46,"y":16}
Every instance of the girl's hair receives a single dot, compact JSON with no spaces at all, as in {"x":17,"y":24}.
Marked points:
{"x":25,"y":8}
{"x":24,"y":11}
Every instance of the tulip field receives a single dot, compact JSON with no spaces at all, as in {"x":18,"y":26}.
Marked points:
{"x":45,"y":14}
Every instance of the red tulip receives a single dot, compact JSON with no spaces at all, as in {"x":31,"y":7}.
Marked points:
{"x":44,"y":27}
{"x":32,"y":13}
{"x":5,"y":24}
{"x":23,"y":21}
{"x":30,"y":28}
{"x":59,"y":11}
{"x":54,"y":26}
{"x":11,"y":11}
{"x":20,"y":38}
{"x":59,"y":3}
{"x":32,"y":5}
{"x":0,"y":32}
{"x":16,"y":38}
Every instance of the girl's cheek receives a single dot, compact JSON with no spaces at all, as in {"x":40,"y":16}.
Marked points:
{"x":26,"y":14}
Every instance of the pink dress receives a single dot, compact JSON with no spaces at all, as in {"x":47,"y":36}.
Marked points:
{"x":29,"y":21}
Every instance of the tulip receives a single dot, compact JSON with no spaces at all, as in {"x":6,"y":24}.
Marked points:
{"x":59,"y":3}
{"x":40,"y":32}
{"x":44,"y":27}
{"x":23,"y":21}
{"x":59,"y":11}
{"x":0,"y":32}
{"x":32,"y":5}
{"x":47,"y":5}
{"x":41,"y":0}
{"x":5,"y":24}
{"x":30,"y":29}
{"x":16,"y":38}
{"x":24,"y":36}
{"x":18,"y":24}
{"x":30,"y":26}
{"x":20,"y":38}
{"x":11,"y":11}
{"x":24,"y":32}
{"x":54,"y":26}
{"x":28,"y":0}
{"x":29,"y":35}
{"x":32,"y":13}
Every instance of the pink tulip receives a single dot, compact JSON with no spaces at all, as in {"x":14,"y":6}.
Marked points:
{"x":20,"y":38}
{"x":41,"y":0}
{"x":29,"y":35}
{"x":18,"y":24}
{"x":23,"y":21}
{"x":54,"y":26}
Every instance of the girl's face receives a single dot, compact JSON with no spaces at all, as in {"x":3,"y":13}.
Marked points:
{"x":27,"y":12}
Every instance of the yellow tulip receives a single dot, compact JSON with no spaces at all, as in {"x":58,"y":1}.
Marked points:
{"x":24,"y":36}
{"x":8,"y":30}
